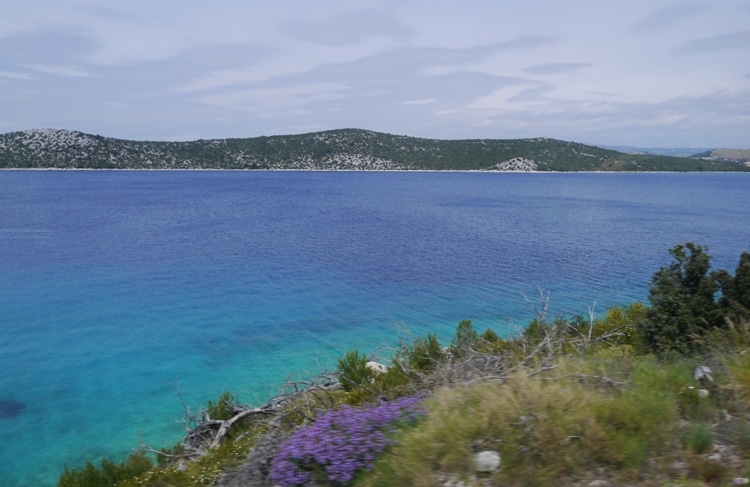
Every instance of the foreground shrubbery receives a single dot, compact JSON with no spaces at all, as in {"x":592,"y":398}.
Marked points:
{"x":568,"y":400}
{"x":340,"y":443}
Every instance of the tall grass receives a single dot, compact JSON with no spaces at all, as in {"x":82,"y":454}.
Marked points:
{"x":546,"y":427}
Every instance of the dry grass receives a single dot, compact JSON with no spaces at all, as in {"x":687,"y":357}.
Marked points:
{"x":570,"y":425}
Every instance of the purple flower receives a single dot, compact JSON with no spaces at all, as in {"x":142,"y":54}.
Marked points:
{"x":340,"y":442}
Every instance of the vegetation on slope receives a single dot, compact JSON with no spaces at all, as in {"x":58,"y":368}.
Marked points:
{"x":346,"y":149}
{"x":608,"y":400}
{"x":736,"y":156}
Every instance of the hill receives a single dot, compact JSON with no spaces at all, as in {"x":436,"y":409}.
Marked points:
{"x":662,"y":151}
{"x":345,"y":149}
{"x":735,"y":156}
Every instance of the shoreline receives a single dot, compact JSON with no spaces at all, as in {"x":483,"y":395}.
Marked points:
{"x":468,"y":171}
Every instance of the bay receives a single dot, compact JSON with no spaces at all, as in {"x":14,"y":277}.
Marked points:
{"x":119,"y":289}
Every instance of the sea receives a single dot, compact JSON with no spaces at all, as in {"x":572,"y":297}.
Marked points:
{"x":127,"y":297}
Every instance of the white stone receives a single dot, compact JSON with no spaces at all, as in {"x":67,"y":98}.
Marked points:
{"x":741,"y":481}
{"x":702,"y":393}
{"x":703,"y":372}
{"x":487,"y":461}
{"x":377,"y":367}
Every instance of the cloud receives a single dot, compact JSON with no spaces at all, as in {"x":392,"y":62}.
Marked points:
{"x":721,"y":117}
{"x":732,"y":41}
{"x":557,"y":68}
{"x":65,"y":71}
{"x":352,"y":27}
{"x":531,"y":94}
{"x":422,"y":101}
{"x":668,"y":17}
{"x":44,"y":48}
{"x":15,"y":75}
{"x":278,"y":100}
{"x":409,"y":71}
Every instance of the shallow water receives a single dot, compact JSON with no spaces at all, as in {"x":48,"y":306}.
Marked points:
{"x":119,"y":288}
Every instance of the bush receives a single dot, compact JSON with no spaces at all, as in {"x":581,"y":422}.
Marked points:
{"x":698,"y":438}
{"x":107,"y":474}
{"x":339,"y":443}
{"x":683,"y":305}
{"x":466,"y":337}
{"x":423,"y":355}
{"x":223,"y":409}
{"x":353,"y":371}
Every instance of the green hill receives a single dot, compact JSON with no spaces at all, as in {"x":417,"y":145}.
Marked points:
{"x":345,"y":149}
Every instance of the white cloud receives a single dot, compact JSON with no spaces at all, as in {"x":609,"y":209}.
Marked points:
{"x":15,"y":75}
{"x":276,"y":101}
{"x":424,"y":101}
{"x":64,"y":71}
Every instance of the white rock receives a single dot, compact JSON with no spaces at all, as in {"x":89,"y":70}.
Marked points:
{"x":703,"y":372}
{"x":377,"y":367}
{"x":702,"y":393}
{"x":598,"y":483}
{"x":487,"y":461}
{"x":741,"y":481}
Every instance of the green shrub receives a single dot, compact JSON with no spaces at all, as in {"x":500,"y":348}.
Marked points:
{"x":698,"y":438}
{"x":222,"y":409}
{"x":466,"y":337}
{"x":683,"y":304}
{"x":353,"y":371}
{"x":423,"y":355}
{"x":108,"y":474}
{"x":619,"y":326}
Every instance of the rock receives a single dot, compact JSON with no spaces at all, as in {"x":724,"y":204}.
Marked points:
{"x":702,"y":393}
{"x":598,"y":483}
{"x":486,"y":461}
{"x":703,"y":373}
{"x":741,"y":481}
{"x":377,"y":367}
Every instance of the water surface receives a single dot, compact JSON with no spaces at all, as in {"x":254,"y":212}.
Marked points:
{"x":119,"y":288}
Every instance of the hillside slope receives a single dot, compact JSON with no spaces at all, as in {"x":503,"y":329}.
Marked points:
{"x":345,"y":149}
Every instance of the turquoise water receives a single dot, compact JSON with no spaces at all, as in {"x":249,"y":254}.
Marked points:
{"x":119,"y":288}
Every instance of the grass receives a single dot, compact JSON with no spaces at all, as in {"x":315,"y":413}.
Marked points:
{"x":608,"y":412}
{"x":545,"y":427}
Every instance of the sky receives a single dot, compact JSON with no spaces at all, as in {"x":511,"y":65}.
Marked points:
{"x":643,"y":73}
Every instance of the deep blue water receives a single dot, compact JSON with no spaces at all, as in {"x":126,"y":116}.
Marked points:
{"x":117,"y":288}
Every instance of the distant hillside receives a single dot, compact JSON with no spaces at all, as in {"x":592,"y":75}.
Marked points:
{"x":346,"y":149}
{"x":662,"y":151}
{"x":736,"y":156}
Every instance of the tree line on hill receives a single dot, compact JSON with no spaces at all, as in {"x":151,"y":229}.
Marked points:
{"x":345,"y":149}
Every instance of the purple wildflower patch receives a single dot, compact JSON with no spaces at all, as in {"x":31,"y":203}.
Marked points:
{"x":340,"y":442}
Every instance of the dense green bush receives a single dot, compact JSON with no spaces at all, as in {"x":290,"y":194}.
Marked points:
{"x":423,"y":355}
{"x":107,"y":474}
{"x":688,"y":301}
{"x":222,"y":409}
{"x":353,"y":371}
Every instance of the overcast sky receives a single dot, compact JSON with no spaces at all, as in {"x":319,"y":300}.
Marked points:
{"x":647,"y":73}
